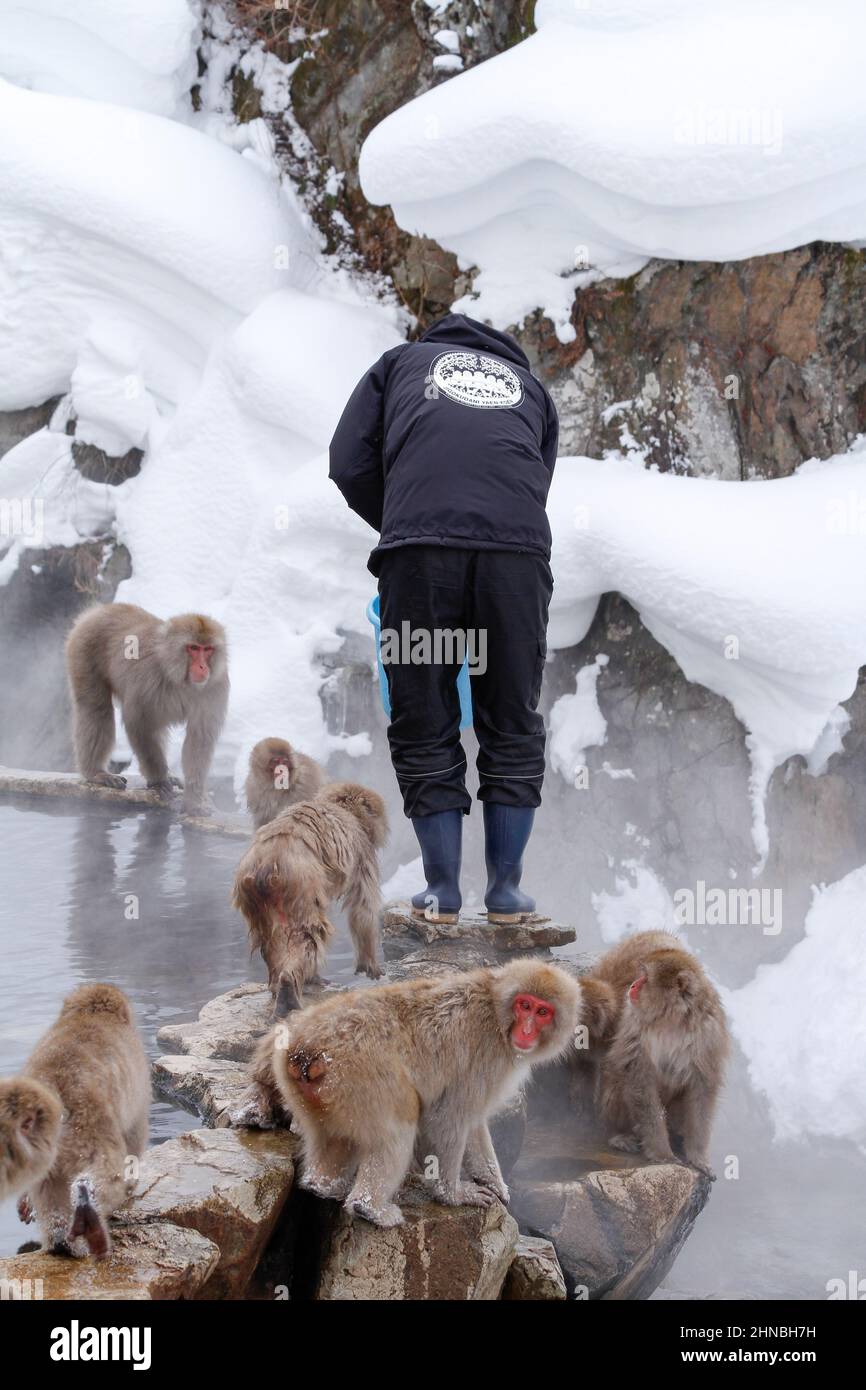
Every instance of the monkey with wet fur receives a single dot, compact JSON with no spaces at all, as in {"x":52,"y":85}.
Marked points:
{"x":663,"y":1069}
{"x":279,"y":777}
{"x":315,"y":852}
{"x":70,"y":1123}
{"x":378,"y":1076}
{"x":162,"y":673}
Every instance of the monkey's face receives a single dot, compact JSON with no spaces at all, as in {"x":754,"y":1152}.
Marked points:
{"x":30,"y":1119}
{"x":279,"y":771}
{"x":533,"y":1023}
{"x":199,"y":658}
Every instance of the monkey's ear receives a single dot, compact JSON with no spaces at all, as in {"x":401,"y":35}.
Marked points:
{"x":685,"y":981}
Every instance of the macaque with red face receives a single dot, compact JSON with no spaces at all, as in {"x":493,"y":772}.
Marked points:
{"x":663,"y":1068}
{"x":161,"y":673}
{"x":376,"y":1077}
{"x":279,"y":777}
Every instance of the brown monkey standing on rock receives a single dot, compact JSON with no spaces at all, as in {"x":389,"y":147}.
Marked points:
{"x":72,"y":1120}
{"x":664,"y":1067}
{"x":418,"y":1068}
{"x":316,"y":851}
{"x":162,"y":673}
{"x":279,"y":777}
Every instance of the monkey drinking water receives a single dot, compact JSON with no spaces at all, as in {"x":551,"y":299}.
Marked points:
{"x":417,"y":1068}
{"x":297,"y":864}
{"x":161,"y":673}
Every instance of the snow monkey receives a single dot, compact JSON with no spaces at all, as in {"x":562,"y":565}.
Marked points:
{"x":71,"y":1122}
{"x":161,"y":673}
{"x":374,"y":1077}
{"x":278,"y":778}
{"x":314,"y":852}
{"x":663,"y":1069}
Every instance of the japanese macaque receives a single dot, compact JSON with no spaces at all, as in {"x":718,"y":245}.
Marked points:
{"x":295,"y":867}
{"x":664,"y":1066}
{"x":416,"y":1069}
{"x":278,"y":778}
{"x":71,"y":1123}
{"x":161,"y":673}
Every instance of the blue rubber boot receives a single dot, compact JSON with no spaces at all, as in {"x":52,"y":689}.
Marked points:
{"x":441,"y":839}
{"x":506,"y":834}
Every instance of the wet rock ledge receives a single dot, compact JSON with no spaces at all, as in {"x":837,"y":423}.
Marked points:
{"x":217,"y":1213}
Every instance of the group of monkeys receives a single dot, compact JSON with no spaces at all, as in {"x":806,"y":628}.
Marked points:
{"x":379,"y":1081}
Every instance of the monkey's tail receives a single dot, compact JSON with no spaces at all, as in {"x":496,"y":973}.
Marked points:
{"x":87,"y":1222}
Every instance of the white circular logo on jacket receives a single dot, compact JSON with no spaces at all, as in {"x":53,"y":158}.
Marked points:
{"x":472,"y":378}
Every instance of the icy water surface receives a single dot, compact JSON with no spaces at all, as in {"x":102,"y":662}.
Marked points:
{"x":68,"y":882}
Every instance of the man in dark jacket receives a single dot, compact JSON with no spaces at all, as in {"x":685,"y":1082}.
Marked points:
{"x":447,"y":448}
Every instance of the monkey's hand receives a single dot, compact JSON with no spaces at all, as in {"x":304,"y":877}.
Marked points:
{"x":703,"y":1168}
{"x":108,"y":779}
{"x":166,"y":789}
{"x":496,"y":1189}
{"x":465,"y":1194}
{"x":369,"y":967}
{"x":252,"y":1111}
{"x":25,"y":1209}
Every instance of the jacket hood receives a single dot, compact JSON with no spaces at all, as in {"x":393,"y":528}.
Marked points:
{"x":460,"y":331}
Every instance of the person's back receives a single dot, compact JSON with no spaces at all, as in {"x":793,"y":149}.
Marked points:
{"x":450,"y":441}
{"x":447,"y":447}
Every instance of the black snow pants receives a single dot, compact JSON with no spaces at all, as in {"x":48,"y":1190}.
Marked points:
{"x":499,"y":599}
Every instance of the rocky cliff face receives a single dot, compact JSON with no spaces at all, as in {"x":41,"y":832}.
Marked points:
{"x":733,"y":371}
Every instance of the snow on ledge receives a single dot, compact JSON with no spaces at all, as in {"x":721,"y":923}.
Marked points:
{"x":758,"y":589}
{"x":632,"y":129}
{"x":138,"y":53}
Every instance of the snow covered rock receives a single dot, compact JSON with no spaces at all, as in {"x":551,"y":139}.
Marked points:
{"x":710,"y":148}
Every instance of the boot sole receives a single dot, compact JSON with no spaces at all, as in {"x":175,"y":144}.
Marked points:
{"x":509,"y":919}
{"x":442,"y":919}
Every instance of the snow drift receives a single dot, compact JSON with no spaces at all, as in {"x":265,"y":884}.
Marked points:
{"x":642,"y":129}
{"x":801,"y":1022}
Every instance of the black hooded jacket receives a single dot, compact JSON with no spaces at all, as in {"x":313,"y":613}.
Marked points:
{"x":449,"y":441}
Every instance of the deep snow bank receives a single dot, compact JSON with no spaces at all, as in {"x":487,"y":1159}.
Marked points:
{"x":801,"y":1022}
{"x":641,"y":129}
{"x":137,"y":53}
{"x":130,"y":240}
